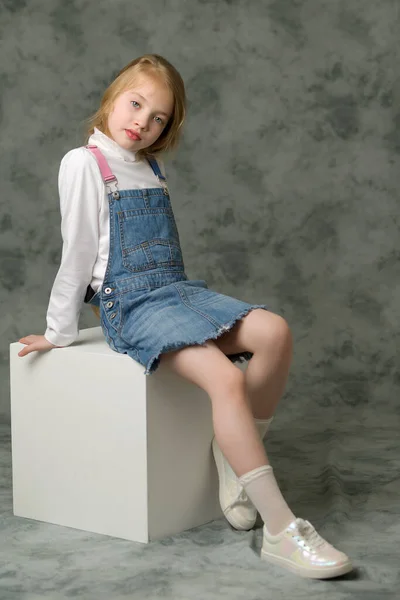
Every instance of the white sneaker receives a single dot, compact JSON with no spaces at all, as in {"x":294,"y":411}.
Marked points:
{"x":236,"y":505}
{"x":300,"y":549}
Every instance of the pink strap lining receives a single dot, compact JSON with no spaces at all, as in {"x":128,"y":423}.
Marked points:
{"x":105,"y":170}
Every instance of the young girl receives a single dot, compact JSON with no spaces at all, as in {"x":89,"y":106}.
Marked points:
{"x":121,"y":253}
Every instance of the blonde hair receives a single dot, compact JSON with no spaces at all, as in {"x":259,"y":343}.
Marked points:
{"x":152,"y":65}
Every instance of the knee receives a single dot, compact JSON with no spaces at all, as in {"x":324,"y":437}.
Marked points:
{"x":282,"y":332}
{"x":232,"y":382}
{"x":274,"y":333}
{"x":281,"y":335}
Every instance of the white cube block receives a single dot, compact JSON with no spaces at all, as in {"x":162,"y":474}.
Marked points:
{"x":99,"y":446}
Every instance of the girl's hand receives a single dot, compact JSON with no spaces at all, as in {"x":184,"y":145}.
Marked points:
{"x":35,"y":342}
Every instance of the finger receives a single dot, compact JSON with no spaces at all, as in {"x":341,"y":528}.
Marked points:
{"x":27,"y":350}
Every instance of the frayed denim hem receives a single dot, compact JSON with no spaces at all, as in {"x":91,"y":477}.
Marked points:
{"x":154,"y":361}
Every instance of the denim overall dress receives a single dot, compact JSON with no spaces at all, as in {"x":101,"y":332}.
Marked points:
{"x":147,"y":303}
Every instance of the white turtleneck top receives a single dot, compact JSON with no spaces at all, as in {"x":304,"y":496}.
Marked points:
{"x":85,"y":227}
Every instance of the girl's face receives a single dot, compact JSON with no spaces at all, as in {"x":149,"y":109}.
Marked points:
{"x":145,"y":110}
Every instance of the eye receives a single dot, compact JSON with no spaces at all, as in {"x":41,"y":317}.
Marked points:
{"x":161,"y":122}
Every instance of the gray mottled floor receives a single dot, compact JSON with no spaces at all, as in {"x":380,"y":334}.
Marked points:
{"x":349,"y":490}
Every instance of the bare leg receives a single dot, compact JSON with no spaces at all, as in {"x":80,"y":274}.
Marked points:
{"x":267,"y":373}
{"x":268,"y":336}
{"x":285,"y":537}
{"x":225,"y":384}
{"x":234,"y":426}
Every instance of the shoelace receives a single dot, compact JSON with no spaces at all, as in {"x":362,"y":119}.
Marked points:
{"x":310,"y":535}
{"x":239,"y":493}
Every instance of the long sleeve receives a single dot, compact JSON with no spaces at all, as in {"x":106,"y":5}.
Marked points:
{"x":81,"y":189}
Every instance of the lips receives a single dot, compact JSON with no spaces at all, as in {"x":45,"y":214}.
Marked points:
{"x":133,"y":134}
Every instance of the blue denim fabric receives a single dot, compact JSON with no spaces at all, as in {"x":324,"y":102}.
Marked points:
{"x":147,"y":303}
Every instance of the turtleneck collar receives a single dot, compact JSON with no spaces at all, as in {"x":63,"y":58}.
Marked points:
{"x":101,"y":140}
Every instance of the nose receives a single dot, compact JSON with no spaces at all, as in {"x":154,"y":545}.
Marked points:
{"x":142,"y":122}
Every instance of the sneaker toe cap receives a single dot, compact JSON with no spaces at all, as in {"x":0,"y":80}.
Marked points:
{"x":331,"y":558}
{"x":241,"y":517}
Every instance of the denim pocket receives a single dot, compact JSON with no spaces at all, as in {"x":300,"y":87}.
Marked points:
{"x":149,"y":239}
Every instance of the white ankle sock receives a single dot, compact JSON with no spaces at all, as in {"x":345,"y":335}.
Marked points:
{"x":262,"y":489}
{"x":262,"y":428}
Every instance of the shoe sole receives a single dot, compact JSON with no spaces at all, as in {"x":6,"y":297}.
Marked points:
{"x":319,"y":573}
{"x":220,"y":468}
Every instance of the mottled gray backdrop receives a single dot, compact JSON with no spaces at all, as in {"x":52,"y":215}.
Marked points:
{"x":285,"y":190}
